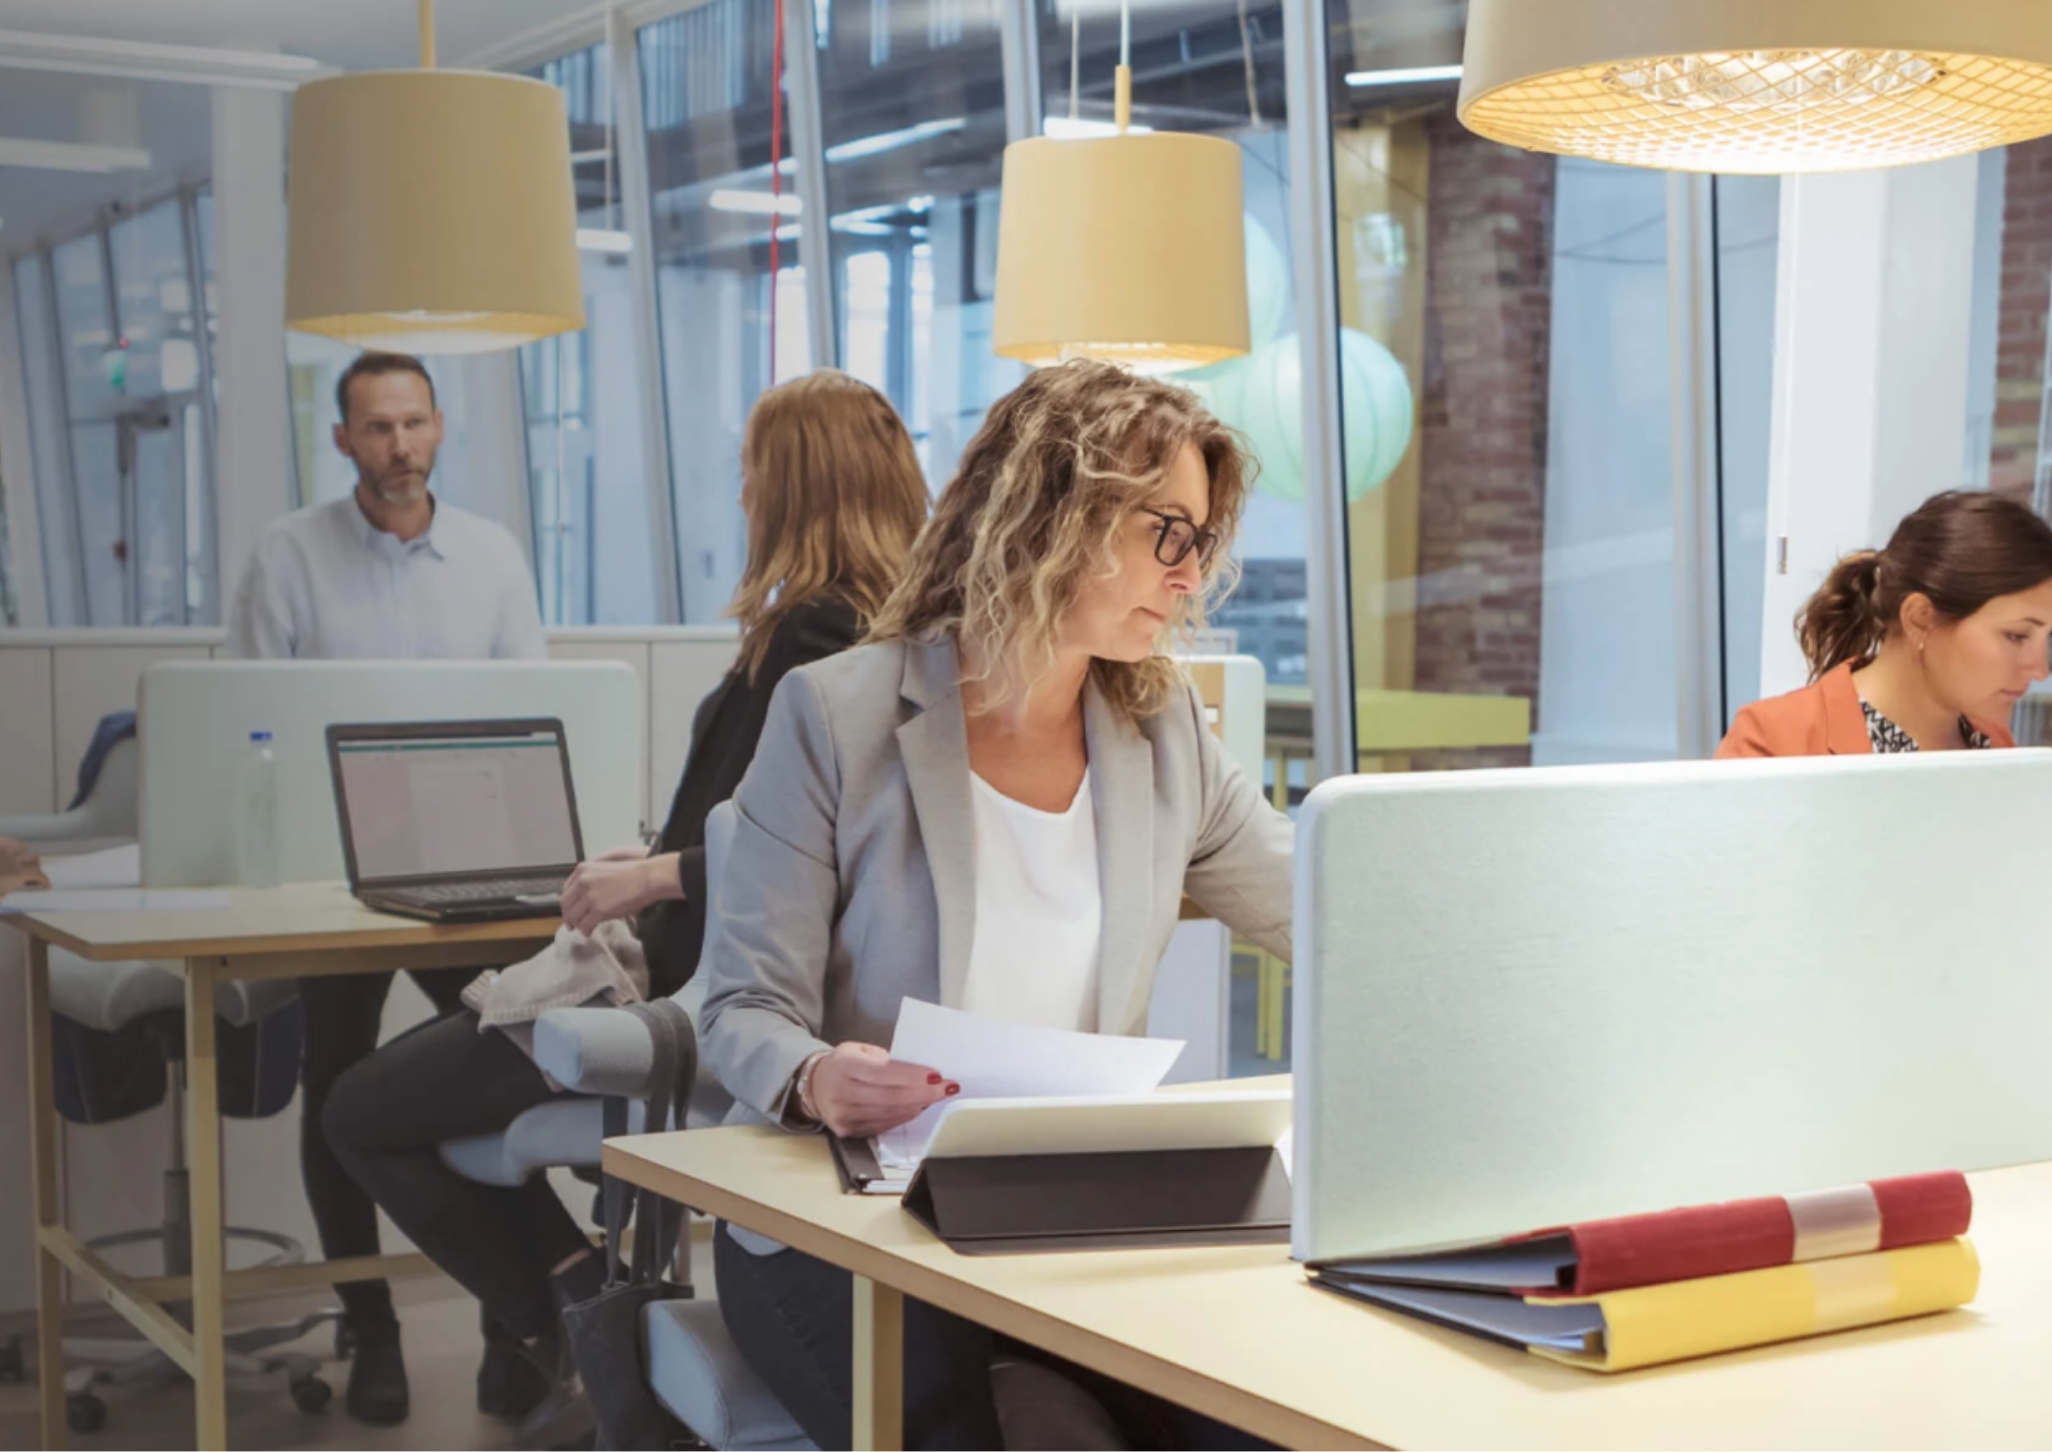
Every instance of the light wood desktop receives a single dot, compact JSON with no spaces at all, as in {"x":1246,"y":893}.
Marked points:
{"x":296,"y":931}
{"x":1237,"y":1333}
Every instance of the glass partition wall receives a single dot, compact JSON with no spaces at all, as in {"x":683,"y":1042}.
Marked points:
{"x":1508,"y":404}
{"x":732,"y":320}
{"x":114,"y":326}
{"x":586,"y":456}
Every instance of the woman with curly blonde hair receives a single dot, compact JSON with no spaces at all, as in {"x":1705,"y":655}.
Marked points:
{"x":996,"y":803}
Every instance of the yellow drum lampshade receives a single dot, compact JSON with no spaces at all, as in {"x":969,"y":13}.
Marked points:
{"x":1758,"y":86}
{"x":1129,"y":248}
{"x":432,"y":211}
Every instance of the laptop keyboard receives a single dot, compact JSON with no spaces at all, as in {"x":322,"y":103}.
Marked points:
{"x":498,"y":890}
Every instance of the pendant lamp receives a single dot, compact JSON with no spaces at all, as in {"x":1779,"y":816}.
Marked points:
{"x":432,"y":211}
{"x":1126,"y":247}
{"x":1759,"y":86}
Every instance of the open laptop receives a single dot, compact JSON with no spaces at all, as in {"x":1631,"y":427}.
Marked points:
{"x":456,"y":821}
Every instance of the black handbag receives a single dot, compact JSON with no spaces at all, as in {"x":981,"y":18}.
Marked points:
{"x":605,"y":1332}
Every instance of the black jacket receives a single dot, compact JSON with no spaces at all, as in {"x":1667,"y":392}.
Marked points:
{"x":723,"y":737}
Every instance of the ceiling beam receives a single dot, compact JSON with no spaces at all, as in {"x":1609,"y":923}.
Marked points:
{"x":30,"y":50}
{"x":71,"y":155}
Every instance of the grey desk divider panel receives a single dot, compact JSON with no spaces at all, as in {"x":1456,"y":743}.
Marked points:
{"x":1525,"y":998}
{"x":196,"y":718}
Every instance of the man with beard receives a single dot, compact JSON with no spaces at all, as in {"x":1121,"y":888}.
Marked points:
{"x":388,"y":573}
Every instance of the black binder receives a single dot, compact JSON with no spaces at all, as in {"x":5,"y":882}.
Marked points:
{"x":1153,"y":1170}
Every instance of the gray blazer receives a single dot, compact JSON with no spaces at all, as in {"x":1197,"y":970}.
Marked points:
{"x":851,"y":883}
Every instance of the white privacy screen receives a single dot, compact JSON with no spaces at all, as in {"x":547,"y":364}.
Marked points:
{"x":456,"y":804}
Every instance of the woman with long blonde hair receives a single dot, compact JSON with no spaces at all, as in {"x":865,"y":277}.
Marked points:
{"x":833,"y":496}
{"x":996,"y":803}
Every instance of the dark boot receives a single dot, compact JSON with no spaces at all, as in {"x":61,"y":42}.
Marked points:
{"x":377,"y":1376}
{"x":509,"y":1384}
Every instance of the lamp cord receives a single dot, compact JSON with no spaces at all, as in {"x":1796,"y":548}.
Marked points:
{"x":1075,"y":61}
{"x":427,"y":35}
{"x":1247,"y":59}
{"x":1122,"y":82}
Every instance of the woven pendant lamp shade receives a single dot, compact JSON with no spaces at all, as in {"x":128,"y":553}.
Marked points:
{"x":1128,"y":248}
{"x":431,"y":212}
{"x":1759,"y":86}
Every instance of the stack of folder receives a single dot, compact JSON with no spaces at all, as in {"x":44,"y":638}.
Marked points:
{"x":1611,"y":1295}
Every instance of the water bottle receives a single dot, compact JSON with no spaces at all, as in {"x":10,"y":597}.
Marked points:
{"x":256,"y":840}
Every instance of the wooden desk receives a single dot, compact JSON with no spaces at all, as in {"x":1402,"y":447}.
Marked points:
{"x":297,"y":931}
{"x":1238,"y":1334}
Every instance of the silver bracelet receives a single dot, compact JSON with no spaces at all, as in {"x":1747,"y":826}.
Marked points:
{"x":801,"y":1087}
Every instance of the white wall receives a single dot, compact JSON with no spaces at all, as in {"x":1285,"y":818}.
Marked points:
{"x":253,"y":465}
{"x":54,"y":687}
{"x":1873,"y":341}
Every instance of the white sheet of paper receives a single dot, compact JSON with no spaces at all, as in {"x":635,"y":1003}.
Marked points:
{"x":111,"y":867}
{"x":993,"y":1059}
{"x":116,"y":900}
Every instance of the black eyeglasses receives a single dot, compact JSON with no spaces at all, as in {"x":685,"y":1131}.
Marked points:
{"x":1177,"y":536}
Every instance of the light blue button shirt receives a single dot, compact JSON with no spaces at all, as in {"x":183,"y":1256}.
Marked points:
{"x":325,"y":584}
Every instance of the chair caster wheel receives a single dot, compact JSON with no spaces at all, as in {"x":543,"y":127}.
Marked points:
{"x":84,"y":1413}
{"x":12,"y":1368}
{"x":310,"y":1394}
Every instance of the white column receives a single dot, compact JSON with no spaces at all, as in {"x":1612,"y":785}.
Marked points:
{"x":18,"y":472}
{"x":253,"y":473}
{"x":1873,"y":325}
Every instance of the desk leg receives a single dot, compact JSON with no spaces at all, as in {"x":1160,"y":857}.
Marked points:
{"x":203,"y":1150}
{"x":43,"y":1137}
{"x":879,"y":1366}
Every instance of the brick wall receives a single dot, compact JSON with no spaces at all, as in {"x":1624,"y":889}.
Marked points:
{"x":2026,"y":298}
{"x":1482,"y":498}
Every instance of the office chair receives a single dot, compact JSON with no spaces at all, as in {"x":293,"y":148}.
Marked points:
{"x":118,"y":1035}
{"x":695,"y":1369}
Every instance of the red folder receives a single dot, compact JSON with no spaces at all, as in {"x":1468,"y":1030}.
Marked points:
{"x":1598,"y":1256}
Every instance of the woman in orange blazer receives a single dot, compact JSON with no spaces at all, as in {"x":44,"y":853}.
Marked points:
{"x":1926,"y":645}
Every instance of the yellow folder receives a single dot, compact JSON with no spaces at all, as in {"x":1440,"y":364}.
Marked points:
{"x":1654,"y":1324}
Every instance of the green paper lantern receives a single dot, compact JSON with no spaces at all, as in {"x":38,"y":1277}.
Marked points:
{"x":1375,"y":403}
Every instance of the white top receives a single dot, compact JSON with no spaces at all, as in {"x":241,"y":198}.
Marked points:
{"x":1039,"y":911}
{"x":325,"y":584}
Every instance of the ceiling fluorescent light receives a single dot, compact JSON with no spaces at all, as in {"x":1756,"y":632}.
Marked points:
{"x":71,"y":156}
{"x":760,"y":204}
{"x":892,"y":140}
{"x":1064,"y":128}
{"x":28,"y":50}
{"x":1406,"y":76}
{"x":599,"y":239}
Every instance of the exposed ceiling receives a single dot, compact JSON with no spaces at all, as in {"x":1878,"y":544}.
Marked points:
{"x":173,"y":121}
{"x":355,"y":34}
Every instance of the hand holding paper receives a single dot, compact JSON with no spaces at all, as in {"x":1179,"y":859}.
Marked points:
{"x":860,"y":1090}
{"x":993,"y":1059}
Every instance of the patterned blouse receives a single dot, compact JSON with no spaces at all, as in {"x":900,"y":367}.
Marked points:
{"x":1887,"y":738}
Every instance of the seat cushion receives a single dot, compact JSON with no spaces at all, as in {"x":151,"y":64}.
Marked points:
{"x":109,"y":996}
{"x":697,"y":1371}
{"x":565,"y":1131}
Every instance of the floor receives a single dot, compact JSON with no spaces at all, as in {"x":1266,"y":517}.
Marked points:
{"x":442,"y":1349}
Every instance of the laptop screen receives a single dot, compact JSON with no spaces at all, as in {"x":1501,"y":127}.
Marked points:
{"x":444,"y":805}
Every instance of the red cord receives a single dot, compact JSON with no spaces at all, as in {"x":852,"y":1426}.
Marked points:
{"x":776,"y":175}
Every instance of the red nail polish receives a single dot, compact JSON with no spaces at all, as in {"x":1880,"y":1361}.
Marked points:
{"x":933,"y":1078}
{"x":954,"y":1088}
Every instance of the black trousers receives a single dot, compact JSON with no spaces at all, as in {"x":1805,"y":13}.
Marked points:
{"x":793,"y":1316}
{"x":370,"y":1135}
